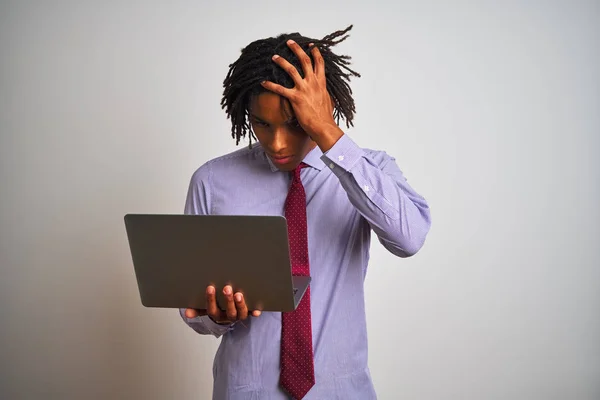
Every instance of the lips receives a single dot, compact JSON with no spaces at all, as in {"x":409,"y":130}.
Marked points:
{"x":281,"y":159}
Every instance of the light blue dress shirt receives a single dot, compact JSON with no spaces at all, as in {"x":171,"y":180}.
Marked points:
{"x":350,"y":192}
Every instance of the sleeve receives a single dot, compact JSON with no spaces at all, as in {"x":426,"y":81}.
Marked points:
{"x":376,"y":186}
{"x":198,"y":203}
{"x":205,"y":326}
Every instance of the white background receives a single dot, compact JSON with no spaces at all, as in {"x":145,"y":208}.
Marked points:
{"x":492,"y":110}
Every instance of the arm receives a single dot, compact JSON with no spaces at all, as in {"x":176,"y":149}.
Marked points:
{"x":375,"y":185}
{"x":198,"y":203}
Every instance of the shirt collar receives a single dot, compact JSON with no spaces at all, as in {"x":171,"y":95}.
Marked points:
{"x":312,"y":159}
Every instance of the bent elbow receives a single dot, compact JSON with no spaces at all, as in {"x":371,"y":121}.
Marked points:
{"x":411,"y":248}
{"x":416,"y":240}
{"x":408,"y":244}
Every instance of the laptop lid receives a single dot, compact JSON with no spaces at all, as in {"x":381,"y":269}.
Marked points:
{"x":176,"y":257}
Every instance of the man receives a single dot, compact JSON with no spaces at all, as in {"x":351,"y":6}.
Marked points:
{"x":289,"y":93}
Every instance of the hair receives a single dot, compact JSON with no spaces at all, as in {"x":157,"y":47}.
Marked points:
{"x":255,"y":65}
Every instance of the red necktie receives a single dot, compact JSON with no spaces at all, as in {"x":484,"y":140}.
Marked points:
{"x":297,"y":366}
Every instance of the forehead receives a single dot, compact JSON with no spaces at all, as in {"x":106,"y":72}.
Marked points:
{"x":269,"y":106}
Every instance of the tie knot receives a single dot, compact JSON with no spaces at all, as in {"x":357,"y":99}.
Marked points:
{"x":296,"y":171}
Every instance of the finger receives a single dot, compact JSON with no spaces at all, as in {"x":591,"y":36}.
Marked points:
{"x":256,"y":313}
{"x":230,"y":304}
{"x":289,"y":68}
{"x":211,"y":303}
{"x":278,"y":89}
{"x":319,"y":63}
{"x":240,"y":304}
{"x":307,"y":67}
{"x":191,"y":313}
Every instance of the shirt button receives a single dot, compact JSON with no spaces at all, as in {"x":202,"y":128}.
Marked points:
{"x":331,"y":165}
{"x":366,"y":188}
{"x":341,"y":158}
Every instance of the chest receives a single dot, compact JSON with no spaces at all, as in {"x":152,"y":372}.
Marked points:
{"x":327,"y":203}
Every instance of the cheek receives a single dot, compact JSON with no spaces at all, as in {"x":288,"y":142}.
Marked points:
{"x":302,"y":141}
{"x":260,"y":132}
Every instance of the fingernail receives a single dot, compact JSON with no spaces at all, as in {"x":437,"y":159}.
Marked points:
{"x":290,"y":41}
{"x":210,"y":290}
{"x":227,"y":290}
{"x":238,"y":297}
{"x":275,"y":57}
{"x":311,"y":44}
{"x":263,"y":82}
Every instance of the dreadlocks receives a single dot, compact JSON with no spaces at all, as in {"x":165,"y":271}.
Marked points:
{"x":255,"y":65}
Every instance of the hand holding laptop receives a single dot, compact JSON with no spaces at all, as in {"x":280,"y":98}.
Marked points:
{"x":235,"y":307}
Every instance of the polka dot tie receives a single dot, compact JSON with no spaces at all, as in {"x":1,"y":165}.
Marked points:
{"x":297,"y":366}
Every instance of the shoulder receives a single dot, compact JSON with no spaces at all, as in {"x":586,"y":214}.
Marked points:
{"x":235,"y":163}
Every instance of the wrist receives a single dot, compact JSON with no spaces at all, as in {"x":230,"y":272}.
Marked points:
{"x":326,"y":136}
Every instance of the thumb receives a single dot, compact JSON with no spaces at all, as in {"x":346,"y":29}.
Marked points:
{"x":191,"y":313}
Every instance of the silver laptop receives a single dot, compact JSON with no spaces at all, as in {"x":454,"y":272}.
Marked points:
{"x":175,"y":257}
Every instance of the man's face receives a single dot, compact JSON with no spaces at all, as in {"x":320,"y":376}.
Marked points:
{"x":277,"y":130}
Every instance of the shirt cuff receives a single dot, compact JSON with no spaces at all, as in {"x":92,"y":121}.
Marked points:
{"x":214,"y":327}
{"x":343,"y":155}
{"x":209,"y":324}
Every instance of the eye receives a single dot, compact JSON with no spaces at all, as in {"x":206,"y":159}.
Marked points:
{"x":295,"y":124}
{"x":258,"y":122}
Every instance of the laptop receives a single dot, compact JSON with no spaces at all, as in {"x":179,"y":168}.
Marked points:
{"x":175,"y":257}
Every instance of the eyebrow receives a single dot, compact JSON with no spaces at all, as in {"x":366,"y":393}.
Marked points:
{"x":291,"y":119}
{"x":257,"y":117}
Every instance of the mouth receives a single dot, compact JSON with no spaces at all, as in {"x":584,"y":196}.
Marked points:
{"x":281,"y":160}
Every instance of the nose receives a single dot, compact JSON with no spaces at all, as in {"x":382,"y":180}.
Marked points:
{"x":278,"y":141}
